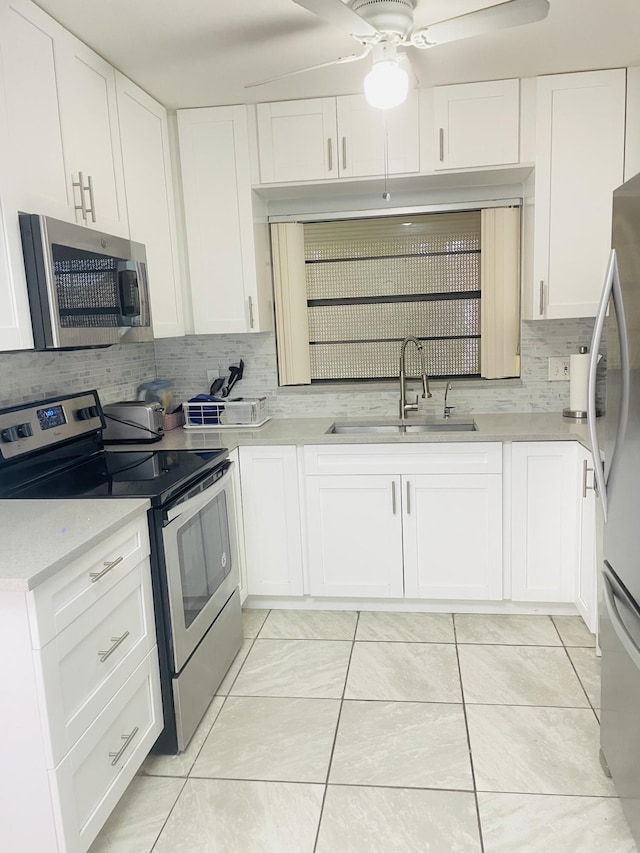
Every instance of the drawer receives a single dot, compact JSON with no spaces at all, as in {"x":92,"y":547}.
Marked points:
{"x":92,"y":778}
{"x":61,"y":599}
{"x":428,"y":458}
{"x":85,"y":665}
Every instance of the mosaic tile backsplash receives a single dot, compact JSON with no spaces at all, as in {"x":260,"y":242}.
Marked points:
{"x":186,"y":361}
{"x":117,"y":371}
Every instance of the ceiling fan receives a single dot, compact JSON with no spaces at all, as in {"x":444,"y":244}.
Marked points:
{"x":384,"y":26}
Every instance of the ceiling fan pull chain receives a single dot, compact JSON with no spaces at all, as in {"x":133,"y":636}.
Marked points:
{"x":386,"y":195}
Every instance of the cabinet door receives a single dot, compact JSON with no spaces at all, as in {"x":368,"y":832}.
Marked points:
{"x":586,"y":587}
{"x":30,"y":136}
{"x":632,"y":129}
{"x":354,"y":530}
{"x":477,"y":124}
{"x":544,"y":532}
{"x":453,"y":536}
{"x":375,"y":142}
{"x":226,"y":292}
{"x":297,"y":140}
{"x":150,"y":202}
{"x":271,"y":511}
{"x":90,"y":134}
{"x":579,"y":162}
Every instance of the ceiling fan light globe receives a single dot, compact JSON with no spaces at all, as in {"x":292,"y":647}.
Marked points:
{"x":386,"y":85}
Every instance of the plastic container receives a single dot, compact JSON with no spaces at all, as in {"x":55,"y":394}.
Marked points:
{"x":156,"y":391}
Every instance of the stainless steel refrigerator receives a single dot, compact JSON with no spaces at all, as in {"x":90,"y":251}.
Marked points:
{"x":618,"y":485}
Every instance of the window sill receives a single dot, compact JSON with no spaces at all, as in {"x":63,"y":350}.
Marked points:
{"x":368,"y":387}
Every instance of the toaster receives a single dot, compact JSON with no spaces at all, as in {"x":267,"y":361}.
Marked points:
{"x":133,"y":421}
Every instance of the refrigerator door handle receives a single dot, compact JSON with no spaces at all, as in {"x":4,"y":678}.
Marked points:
{"x":609,"y":588}
{"x":612,"y":290}
{"x":598,"y":468}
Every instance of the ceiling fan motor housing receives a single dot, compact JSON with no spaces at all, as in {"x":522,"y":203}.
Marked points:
{"x":387,"y":16}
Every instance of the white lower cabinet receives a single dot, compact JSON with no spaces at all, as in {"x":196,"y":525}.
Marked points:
{"x":586,"y":580}
{"x":453,"y":536}
{"x":544,"y":521}
{"x":354,"y":528}
{"x":85,"y":685}
{"x":271,"y":510}
{"x":417,"y":532}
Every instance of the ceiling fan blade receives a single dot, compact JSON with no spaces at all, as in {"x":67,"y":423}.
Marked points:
{"x":353,"y":57}
{"x":510,"y":14}
{"x":339,"y":14}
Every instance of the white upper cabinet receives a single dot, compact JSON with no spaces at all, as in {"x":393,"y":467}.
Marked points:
{"x":580,"y":131}
{"x":30,"y":133}
{"x":227,"y":231}
{"x":476,"y":124}
{"x":297,"y":140}
{"x":330,"y":138}
{"x":150,"y":201}
{"x":374,"y":142}
{"x":632,"y":139}
{"x":90,"y":136}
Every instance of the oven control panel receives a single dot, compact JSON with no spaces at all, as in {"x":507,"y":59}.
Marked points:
{"x":35,"y":426}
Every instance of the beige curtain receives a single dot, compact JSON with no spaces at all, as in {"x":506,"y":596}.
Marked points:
{"x":500,"y":285}
{"x":290,"y":297}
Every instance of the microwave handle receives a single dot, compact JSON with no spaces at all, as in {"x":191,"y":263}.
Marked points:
{"x":129,"y":288}
{"x":194,"y":504}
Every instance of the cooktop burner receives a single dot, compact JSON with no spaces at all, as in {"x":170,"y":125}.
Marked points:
{"x":157,"y":475}
{"x":54,"y":449}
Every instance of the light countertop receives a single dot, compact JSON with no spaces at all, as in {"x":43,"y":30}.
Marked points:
{"x":542,"y":426}
{"x":39,"y":537}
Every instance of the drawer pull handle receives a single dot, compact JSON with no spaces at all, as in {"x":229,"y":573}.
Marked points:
{"x":117,"y":641}
{"x":95,"y":576}
{"x":127,"y":740}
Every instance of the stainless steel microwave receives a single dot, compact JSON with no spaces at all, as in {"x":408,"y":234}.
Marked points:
{"x":85,"y":288}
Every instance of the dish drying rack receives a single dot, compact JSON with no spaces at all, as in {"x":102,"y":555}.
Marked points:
{"x":234,"y":414}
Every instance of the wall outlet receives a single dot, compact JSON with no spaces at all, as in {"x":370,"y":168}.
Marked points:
{"x":558,"y":368}
{"x":211,"y":375}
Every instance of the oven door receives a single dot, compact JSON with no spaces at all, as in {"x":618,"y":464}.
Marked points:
{"x":200,"y":547}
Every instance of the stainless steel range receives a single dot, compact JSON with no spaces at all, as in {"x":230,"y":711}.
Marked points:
{"x":54,"y":449}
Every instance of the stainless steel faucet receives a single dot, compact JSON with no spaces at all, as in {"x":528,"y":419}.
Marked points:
{"x":404,"y":406}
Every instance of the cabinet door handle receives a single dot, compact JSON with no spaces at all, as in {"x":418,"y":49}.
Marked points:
{"x":127,"y":740}
{"x":393,"y":496}
{"x":441,"y":135}
{"x":250,"y":312}
{"x":95,"y":576}
{"x":344,"y":152}
{"x":541,"y":298}
{"x":92,"y":209}
{"x":330,"y":154}
{"x":79,"y":184}
{"x":117,"y":641}
{"x":585,"y":471}
{"x":408,"y":498}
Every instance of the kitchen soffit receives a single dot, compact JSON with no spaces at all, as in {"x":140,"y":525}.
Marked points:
{"x":202,"y":52}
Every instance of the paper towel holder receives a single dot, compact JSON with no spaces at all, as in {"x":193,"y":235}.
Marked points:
{"x":578,"y":414}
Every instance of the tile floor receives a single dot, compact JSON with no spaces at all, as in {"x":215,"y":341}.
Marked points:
{"x":344,"y":732}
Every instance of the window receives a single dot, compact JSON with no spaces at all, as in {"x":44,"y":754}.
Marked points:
{"x":348,"y":292}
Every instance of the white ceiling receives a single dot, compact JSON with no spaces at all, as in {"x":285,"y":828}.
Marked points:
{"x":189,"y":53}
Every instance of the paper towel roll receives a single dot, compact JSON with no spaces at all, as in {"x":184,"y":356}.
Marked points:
{"x":579,"y":379}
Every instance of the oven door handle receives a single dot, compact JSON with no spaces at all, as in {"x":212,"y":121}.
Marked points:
{"x":194,"y":504}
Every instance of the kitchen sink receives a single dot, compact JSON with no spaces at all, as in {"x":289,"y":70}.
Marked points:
{"x":396,"y":428}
